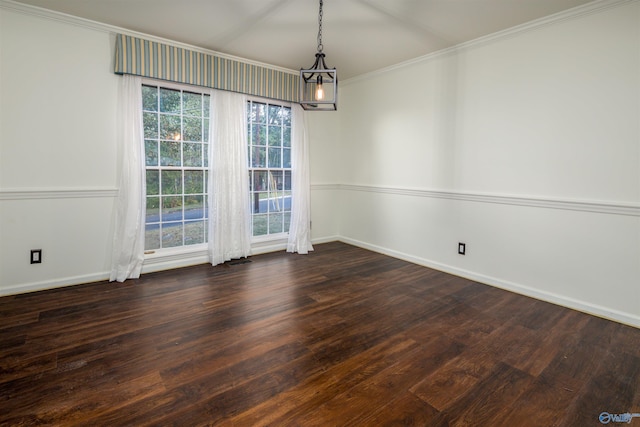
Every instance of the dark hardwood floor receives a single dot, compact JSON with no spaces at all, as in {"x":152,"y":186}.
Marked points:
{"x":342,"y":336}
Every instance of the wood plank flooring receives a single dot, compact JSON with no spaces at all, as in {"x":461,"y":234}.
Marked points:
{"x":342,"y":336}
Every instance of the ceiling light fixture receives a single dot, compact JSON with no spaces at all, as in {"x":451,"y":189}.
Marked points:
{"x":319,"y":84}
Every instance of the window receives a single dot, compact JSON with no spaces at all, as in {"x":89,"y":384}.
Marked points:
{"x":269,"y":139}
{"x":176,"y":128}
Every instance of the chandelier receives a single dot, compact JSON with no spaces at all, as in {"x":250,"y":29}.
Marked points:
{"x":319,"y":83}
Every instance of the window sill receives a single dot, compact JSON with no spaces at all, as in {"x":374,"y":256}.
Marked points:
{"x":270,"y":243}
{"x":165,"y":259}
{"x":270,"y":238}
{"x":178,"y":251}
{"x":184,"y":256}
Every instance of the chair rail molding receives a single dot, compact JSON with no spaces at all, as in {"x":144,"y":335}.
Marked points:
{"x":593,"y":206}
{"x":57,"y":193}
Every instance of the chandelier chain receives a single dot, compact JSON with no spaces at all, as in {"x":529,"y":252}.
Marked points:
{"x":320,"y":46}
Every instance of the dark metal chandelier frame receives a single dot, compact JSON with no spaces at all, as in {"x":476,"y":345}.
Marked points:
{"x":319,"y":83}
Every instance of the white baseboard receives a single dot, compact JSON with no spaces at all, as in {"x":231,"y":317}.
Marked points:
{"x":583,"y":306}
{"x":327,"y":239}
{"x":201,"y":257}
{"x":24,"y":288}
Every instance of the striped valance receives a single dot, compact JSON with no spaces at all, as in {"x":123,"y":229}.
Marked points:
{"x":160,"y":61}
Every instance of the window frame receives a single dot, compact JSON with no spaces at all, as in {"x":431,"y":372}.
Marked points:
{"x":197,"y":247}
{"x":269,"y":237}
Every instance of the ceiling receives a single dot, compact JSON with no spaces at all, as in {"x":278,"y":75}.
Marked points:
{"x":359,"y":36}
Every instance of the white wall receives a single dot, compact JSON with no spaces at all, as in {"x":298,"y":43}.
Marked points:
{"x":57,"y":161}
{"x":325,"y":169}
{"x":525,"y":146}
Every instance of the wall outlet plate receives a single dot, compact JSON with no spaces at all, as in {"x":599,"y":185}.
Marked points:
{"x":36,"y":256}
{"x":462,"y":248}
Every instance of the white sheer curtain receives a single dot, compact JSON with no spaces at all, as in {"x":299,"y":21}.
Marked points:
{"x":128,"y":243}
{"x":229,"y":214}
{"x":300,"y":228}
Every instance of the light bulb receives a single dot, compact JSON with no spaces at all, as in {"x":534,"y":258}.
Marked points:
{"x":319,"y":89}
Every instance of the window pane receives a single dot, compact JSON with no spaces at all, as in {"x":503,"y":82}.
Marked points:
{"x":192,"y":154}
{"x":260,"y":202}
{"x":193,"y":207}
{"x":150,"y":124}
{"x":273,"y":203}
{"x":151,"y":152}
{"x":192,"y":104}
{"x":205,"y":130}
{"x":258,"y":157}
{"x":275,"y":161}
{"x":286,"y":137}
{"x":258,"y":112}
{"x":171,"y":182}
{"x":194,"y":232}
{"x":153,"y":209}
{"x":150,"y":98}
{"x":192,"y":129}
{"x":260,"y":225}
{"x":260,"y":180}
{"x":172,"y":234}
{"x":152,"y":236}
{"x":287,"y":220}
{"x":171,"y":208}
{"x":170,"y":127}
{"x":275,"y":117}
{"x":206,"y":102}
{"x":275,"y":223}
{"x":286,"y":202}
{"x":170,"y":153}
{"x":193,"y":182}
{"x":276,"y":180}
{"x":279,"y":202}
{"x":169,"y":100}
{"x":259,"y":135}
{"x":287,"y":180}
{"x":205,"y":155}
{"x":286,"y":158}
{"x":286,"y":116}
{"x":153,"y":182}
{"x":275,"y":136}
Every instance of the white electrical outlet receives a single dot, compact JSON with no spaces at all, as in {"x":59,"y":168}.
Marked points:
{"x":462,"y":248}
{"x":36,"y":256}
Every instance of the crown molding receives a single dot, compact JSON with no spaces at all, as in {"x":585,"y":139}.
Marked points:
{"x":573,"y":13}
{"x":65,"y":18}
